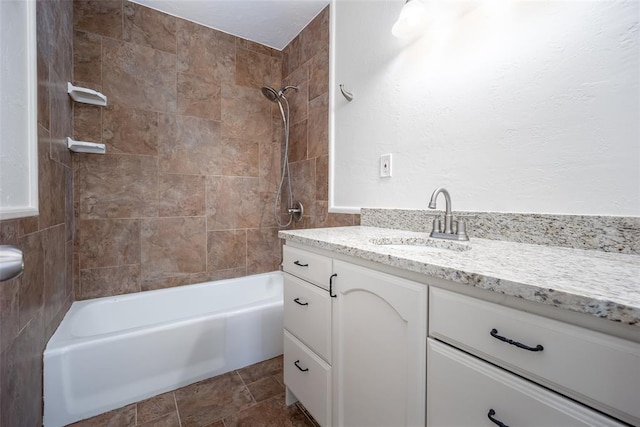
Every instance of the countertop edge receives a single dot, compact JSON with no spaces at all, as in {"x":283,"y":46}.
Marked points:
{"x":590,"y":305}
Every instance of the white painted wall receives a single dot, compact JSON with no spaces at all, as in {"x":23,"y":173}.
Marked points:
{"x":517,"y":106}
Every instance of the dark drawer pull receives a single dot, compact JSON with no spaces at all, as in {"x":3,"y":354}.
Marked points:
{"x":494,"y":333}
{"x":297,"y":300}
{"x":331,"y":294}
{"x":300,"y":265}
{"x":493,"y":420}
{"x":298,"y":366}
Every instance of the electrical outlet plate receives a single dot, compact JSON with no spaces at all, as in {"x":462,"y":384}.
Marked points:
{"x":385,"y":166}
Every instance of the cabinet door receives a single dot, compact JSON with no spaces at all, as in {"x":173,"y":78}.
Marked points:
{"x":379,"y":362}
{"x":465,"y":391}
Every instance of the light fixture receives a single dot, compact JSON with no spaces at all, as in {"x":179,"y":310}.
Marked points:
{"x":412,"y":20}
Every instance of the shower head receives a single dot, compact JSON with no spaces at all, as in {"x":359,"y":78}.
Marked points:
{"x":270,"y":93}
{"x":274,"y":96}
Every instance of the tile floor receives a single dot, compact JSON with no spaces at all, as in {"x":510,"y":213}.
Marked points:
{"x":251,"y":396}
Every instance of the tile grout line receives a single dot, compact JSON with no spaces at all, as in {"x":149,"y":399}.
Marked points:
{"x":247,"y":388}
{"x":175,"y":401}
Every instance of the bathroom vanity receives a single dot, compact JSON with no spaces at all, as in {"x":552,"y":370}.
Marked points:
{"x":390,"y":327}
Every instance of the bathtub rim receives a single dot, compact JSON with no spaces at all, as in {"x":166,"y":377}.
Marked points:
{"x":63,"y":339}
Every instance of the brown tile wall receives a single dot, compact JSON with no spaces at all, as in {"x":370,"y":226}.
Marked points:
{"x":185,"y":191}
{"x":32,"y":306}
{"x":305,"y":63}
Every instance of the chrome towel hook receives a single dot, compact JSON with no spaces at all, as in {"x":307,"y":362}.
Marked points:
{"x":348,"y":95}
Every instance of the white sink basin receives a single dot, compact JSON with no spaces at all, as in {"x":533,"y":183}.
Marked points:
{"x":415,"y":244}
{"x":415,"y":248}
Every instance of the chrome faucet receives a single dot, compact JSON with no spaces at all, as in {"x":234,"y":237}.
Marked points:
{"x":448,"y":233}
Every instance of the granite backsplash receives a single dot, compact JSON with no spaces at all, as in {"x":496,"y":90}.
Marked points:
{"x":603,"y":233}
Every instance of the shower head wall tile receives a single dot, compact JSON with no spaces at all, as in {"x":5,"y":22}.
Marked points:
{"x":102,"y":17}
{"x":319,"y":74}
{"x":205,"y":52}
{"x":233,"y":203}
{"x":298,"y":142}
{"x":259,"y":48}
{"x":171,"y":281}
{"x":303,"y":182}
{"x":226,"y":249}
{"x":322,"y":218}
{"x":318,"y":139}
{"x":51,"y":184}
{"x":109,"y":281}
{"x":246,"y":113}
{"x":56,"y":286}
{"x":270,"y":167}
{"x":264,"y":250}
{"x":298,"y":100}
{"x":32,"y":282}
{"x":173,"y":245}
{"x":187,"y":145}
{"x":129,"y":130}
{"x":292,"y":57}
{"x":108,"y":243}
{"x":61,"y":111}
{"x":315,"y":36}
{"x":87,"y":122}
{"x":267,"y":210}
{"x":255,"y":70}
{"x":138,"y":76}
{"x":181,"y":195}
{"x":87,"y":57}
{"x":198,"y":97}
{"x":148,"y":27}
{"x":237,"y":157}
{"x":322,"y":178}
{"x":44,"y":101}
{"x":118,"y":186}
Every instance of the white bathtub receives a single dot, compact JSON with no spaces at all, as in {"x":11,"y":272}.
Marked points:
{"x":109,"y":352}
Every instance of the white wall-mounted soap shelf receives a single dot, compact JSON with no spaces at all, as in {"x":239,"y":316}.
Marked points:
{"x":86,"y":96}
{"x":86,"y":147}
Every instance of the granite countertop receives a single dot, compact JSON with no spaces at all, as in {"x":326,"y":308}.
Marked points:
{"x":605,"y":285}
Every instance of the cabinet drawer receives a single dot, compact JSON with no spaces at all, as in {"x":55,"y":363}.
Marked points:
{"x":307,"y":265}
{"x":594,"y":368}
{"x":462,"y":390}
{"x":308,"y":378}
{"x":307,"y":314}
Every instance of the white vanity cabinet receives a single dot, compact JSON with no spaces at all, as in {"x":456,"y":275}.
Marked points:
{"x":358,"y":353}
{"x":598,"y":370}
{"x":379,"y":339}
{"x":354,"y":342}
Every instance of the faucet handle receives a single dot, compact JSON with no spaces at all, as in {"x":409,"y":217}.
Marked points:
{"x":461,"y":229}
{"x":436,"y":225}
